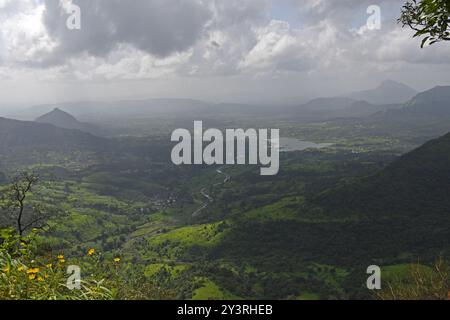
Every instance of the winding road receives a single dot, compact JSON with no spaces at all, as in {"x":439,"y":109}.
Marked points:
{"x":209,"y":198}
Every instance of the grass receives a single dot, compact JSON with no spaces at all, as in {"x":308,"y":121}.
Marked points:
{"x":200,"y":235}
{"x":211,"y":291}
{"x":153,"y":269}
{"x":308,"y":296}
{"x":289,"y":209}
{"x":285,"y":209}
{"x":402,"y":271}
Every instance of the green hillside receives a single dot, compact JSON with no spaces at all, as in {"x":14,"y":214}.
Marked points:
{"x":414,"y":185}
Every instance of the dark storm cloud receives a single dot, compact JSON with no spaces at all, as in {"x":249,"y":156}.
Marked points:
{"x":159,"y":27}
{"x":223,"y":48}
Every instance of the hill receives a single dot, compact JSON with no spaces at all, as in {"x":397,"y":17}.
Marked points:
{"x":402,"y":211}
{"x":434,"y":102}
{"x":414,"y":185}
{"x":62,"y":119}
{"x":427,"y":114}
{"x":15,"y":134}
{"x":394,"y":216}
{"x":25,"y":142}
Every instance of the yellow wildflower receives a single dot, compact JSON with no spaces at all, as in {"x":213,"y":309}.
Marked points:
{"x":91,"y":252}
{"x":61,"y":258}
{"x":32,"y":276}
{"x":20,"y":268}
{"x":117,"y":260}
{"x":49,"y":265}
{"x":33,"y":271}
{"x":40,"y":279}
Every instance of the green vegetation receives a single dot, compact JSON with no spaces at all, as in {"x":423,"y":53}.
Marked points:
{"x":25,"y":276}
{"x":210,"y":291}
{"x":428,"y":18}
{"x":417,"y":282}
{"x":308,"y":233}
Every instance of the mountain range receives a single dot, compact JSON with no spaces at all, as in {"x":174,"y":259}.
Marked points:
{"x":425,"y":108}
{"x":390,"y":95}
{"x":386,"y":96}
{"x":58,"y":127}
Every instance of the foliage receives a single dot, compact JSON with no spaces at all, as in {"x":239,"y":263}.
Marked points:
{"x":419,"y":283}
{"x":428,"y":18}
{"x":24,"y":276}
{"x":261,"y":238}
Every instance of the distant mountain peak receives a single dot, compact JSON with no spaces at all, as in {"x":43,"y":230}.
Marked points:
{"x":59,"y":118}
{"x":57,"y":111}
{"x":63,"y":119}
{"x":391,"y":82}
{"x":388,"y":92}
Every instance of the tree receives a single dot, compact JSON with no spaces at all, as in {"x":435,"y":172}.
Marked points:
{"x":428,"y":18}
{"x":15,"y":203}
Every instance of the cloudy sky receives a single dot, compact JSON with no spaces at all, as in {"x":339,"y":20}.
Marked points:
{"x":265,"y":51}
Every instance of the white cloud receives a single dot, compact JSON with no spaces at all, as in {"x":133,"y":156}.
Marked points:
{"x":22,"y":33}
{"x":176,"y":39}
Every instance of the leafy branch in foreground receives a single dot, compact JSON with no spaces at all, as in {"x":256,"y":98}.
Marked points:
{"x":428,"y":18}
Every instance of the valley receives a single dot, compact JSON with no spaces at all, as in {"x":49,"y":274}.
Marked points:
{"x":244,"y":150}
{"x":350,"y":199}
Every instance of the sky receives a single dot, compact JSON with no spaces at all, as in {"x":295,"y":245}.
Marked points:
{"x":247,"y":51}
